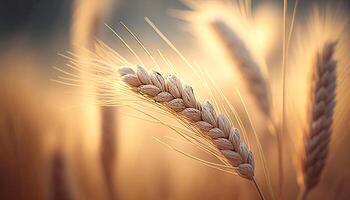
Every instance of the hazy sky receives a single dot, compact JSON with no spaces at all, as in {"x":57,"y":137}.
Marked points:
{"x":43,"y":21}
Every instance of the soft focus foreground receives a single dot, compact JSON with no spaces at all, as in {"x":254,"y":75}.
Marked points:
{"x":57,"y":143}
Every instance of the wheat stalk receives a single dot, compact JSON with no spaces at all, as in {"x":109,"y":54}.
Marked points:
{"x":245,"y":63}
{"x":85,"y":26}
{"x":322,"y":103}
{"x":180,"y":99}
{"x":59,"y":187}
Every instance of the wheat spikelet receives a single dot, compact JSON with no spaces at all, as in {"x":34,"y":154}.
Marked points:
{"x":322,"y":103}
{"x":180,"y":98}
{"x":248,"y":67}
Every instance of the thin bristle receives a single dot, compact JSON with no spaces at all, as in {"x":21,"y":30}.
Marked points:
{"x":322,"y":103}
{"x":172,"y":94}
{"x":250,"y":70}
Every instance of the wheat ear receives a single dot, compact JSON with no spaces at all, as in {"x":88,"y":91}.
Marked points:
{"x":253,"y":78}
{"x":171,"y":94}
{"x":322,"y":103}
{"x":245,"y":63}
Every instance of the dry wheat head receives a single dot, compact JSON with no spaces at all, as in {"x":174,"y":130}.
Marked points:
{"x":245,"y":63}
{"x":322,"y":103}
{"x":170,"y":93}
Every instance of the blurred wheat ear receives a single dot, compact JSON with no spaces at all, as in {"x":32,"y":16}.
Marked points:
{"x":253,"y":78}
{"x":245,"y":63}
{"x":321,"y":106}
{"x":180,"y":100}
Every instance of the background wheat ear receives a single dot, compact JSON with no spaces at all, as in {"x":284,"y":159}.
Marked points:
{"x":254,"y":80}
{"x":180,"y":99}
{"x":249,"y":69}
{"x":321,"y":105}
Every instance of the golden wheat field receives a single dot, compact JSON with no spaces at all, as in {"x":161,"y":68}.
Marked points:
{"x":174,"y":99}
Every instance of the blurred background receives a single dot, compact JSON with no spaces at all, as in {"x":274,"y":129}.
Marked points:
{"x":57,"y":144}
